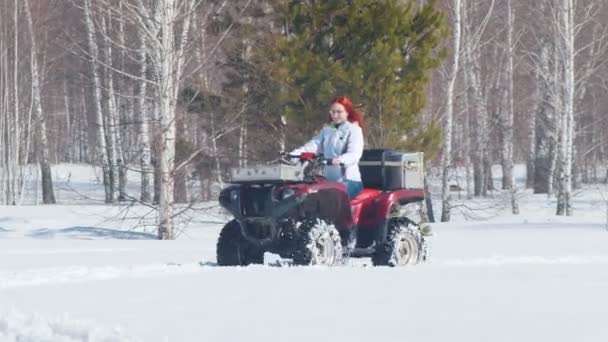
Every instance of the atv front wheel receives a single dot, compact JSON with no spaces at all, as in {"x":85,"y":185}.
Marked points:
{"x":318,"y":243}
{"x":404,"y":245}
{"x":234,"y":250}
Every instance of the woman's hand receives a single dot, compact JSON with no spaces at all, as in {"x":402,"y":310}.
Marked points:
{"x":335,"y":162}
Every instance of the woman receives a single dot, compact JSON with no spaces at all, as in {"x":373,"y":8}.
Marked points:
{"x":341,"y":142}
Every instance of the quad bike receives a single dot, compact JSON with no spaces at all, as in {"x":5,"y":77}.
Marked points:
{"x":292,"y":210}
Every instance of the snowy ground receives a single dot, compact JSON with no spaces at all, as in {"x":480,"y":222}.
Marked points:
{"x":74,"y":272}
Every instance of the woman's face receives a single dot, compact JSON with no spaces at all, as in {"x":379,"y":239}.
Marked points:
{"x":338,"y":113}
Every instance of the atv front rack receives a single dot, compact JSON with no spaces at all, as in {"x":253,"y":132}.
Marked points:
{"x":267,"y":173}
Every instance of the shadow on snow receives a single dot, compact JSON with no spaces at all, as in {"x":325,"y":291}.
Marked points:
{"x":91,"y":233}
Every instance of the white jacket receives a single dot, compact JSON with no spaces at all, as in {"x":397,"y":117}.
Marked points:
{"x":344,"y":143}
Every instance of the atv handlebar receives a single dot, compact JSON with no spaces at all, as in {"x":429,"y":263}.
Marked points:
{"x":309,"y":157}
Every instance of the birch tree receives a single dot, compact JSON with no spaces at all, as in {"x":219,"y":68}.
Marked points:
{"x":566,"y":20}
{"x":476,"y":100}
{"x":102,"y":151}
{"x":543,"y":63}
{"x":157,"y":23}
{"x":449,"y":111}
{"x":48,"y":194}
{"x":14,"y":139}
{"x":507,"y":126}
{"x":9,"y":106}
{"x":142,"y":118}
{"x":111,"y":117}
{"x":507,"y":149}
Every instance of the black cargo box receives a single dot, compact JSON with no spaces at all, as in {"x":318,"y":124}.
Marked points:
{"x":391,"y":170}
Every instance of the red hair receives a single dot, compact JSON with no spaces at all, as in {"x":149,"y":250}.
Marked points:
{"x":353,"y":114}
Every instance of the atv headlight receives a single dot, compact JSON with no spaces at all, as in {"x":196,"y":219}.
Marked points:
{"x":287,"y":193}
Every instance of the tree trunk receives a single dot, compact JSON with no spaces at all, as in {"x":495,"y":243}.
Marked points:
{"x":111,"y":117}
{"x":531,"y":158}
{"x":180,"y":174}
{"x":564,"y":197}
{"x":69,"y":141}
{"x":16,"y":137}
{"x":447,"y":143}
{"x":102,"y":152}
{"x":479,"y":126}
{"x":145,"y":150}
{"x":48,"y":195}
{"x":488,"y":176}
{"x":558,"y":93}
{"x":125,"y":110}
{"x":216,"y":154}
{"x":544,"y":122}
{"x":507,"y":143}
{"x":507,"y":179}
{"x":5,"y":145}
{"x":167,"y":91}
{"x":180,"y":192}
{"x":428,"y":201}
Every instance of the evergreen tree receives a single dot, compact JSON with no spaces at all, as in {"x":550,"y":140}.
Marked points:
{"x":247,"y":88}
{"x":379,"y":53}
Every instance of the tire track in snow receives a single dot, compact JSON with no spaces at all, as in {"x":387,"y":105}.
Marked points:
{"x":499,"y":260}
{"x":76,"y":274}
{"x":63,"y":251}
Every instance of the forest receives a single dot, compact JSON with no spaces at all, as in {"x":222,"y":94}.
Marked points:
{"x":180,"y":91}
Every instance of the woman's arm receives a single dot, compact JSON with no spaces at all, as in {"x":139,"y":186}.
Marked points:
{"x":314,"y":145}
{"x":354,"y":147}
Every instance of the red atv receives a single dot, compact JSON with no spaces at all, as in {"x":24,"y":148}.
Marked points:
{"x":293,"y":211}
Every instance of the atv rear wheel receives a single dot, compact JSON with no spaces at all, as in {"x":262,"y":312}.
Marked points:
{"x":234,"y":250}
{"x":404,"y":245}
{"x":318,"y":243}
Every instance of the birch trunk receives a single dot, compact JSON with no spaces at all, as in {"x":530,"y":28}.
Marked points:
{"x":507,"y":143}
{"x":4,"y":105}
{"x":69,"y":145}
{"x":533,"y":118}
{"x":145,"y":150}
{"x":9,"y":102}
{"x":544,"y":123}
{"x":102,"y":152}
{"x":83,"y":123}
{"x":468,"y":115}
{"x":166,"y":154}
{"x":16,"y":136}
{"x":545,"y":132}
{"x":447,"y":143}
{"x":507,"y":180}
{"x":111,"y":115}
{"x":479,"y":126}
{"x":243,"y":129}
{"x":564,"y":205}
{"x":474,"y":96}
{"x":557,"y":94}
{"x":216,"y":154}
{"x":124,"y":106}
{"x":428,"y":201}
{"x":242,"y":133}
{"x":48,"y":195}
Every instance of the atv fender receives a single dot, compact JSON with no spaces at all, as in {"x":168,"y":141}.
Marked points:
{"x":379,"y":210}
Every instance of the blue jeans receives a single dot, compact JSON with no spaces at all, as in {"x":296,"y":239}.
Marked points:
{"x":353,"y":188}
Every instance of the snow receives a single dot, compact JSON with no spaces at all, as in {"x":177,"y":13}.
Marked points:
{"x":83,"y":271}
{"x":16,"y":326}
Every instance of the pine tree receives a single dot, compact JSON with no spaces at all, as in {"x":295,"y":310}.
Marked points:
{"x":379,"y":53}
